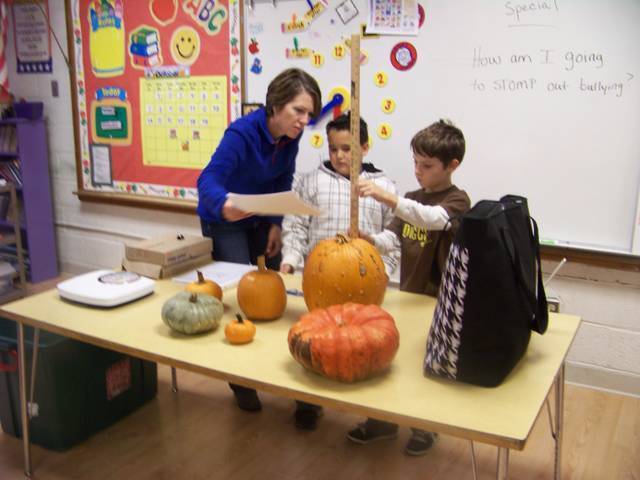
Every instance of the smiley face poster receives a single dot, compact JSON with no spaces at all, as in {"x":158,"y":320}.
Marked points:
{"x":157,"y":82}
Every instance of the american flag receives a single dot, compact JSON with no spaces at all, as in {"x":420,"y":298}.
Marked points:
{"x":4,"y":70}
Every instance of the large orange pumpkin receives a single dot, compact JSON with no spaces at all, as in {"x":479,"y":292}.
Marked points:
{"x":343,"y":269}
{"x":347,"y":342}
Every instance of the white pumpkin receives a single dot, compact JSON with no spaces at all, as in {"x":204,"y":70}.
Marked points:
{"x":192,"y":313}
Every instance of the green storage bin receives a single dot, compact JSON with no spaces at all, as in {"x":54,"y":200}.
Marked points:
{"x":80,"y":388}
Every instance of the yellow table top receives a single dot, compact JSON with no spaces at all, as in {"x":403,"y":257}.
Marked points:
{"x":502,"y":416}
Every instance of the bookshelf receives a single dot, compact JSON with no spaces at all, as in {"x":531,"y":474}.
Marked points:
{"x":24,"y":163}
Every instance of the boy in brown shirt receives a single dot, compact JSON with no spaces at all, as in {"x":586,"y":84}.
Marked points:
{"x":421,"y":218}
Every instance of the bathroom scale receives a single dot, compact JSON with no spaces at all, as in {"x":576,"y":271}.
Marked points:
{"x":106,"y":288}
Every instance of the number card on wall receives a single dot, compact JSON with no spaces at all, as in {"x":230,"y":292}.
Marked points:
{"x":156,"y":83}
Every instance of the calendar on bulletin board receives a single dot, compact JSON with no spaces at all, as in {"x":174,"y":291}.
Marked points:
{"x":156,"y":83}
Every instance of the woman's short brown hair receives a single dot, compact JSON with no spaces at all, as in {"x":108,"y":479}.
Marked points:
{"x":287,"y":85}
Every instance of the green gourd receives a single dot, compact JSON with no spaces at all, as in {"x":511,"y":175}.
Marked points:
{"x":192,"y":313}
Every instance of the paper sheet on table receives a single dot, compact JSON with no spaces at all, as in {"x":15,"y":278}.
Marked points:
{"x":280,"y":203}
{"x":225,"y":274}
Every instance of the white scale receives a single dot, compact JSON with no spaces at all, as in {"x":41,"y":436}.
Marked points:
{"x":106,"y":288}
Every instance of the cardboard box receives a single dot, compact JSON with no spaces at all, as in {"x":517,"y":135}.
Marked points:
{"x":153,"y":270}
{"x":168,"y":249}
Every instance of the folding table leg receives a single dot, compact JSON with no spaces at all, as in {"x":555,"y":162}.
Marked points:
{"x":559,"y":422}
{"x":24,"y":417}
{"x":502,"y":470}
{"x":552,"y":426}
{"x":473,"y":461}
{"x":34,"y":369}
{"x":174,"y":380}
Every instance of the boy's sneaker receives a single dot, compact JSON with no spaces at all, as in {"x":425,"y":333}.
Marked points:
{"x":307,"y":418}
{"x":420,"y":442}
{"x":366,"y":433}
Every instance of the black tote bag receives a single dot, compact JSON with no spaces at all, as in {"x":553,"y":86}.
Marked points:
{"x":491,"y":295}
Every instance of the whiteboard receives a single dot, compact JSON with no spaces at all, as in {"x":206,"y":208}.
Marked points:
{"x":546,"y":93}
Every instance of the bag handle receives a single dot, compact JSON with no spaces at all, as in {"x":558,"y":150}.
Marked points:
{"x":437,"y":277}
{"x":537,"y":300}
{"x":541,"y":319}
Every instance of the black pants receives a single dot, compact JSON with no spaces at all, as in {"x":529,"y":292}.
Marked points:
{"x":241,"y":242}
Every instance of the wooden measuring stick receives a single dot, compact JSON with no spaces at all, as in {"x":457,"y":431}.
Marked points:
{"x":356,"y":152}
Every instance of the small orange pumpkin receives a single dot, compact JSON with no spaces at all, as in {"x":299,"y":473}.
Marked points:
{"x":205,"y":286}
{"x":239,"y":331}
{"x":261,"y":293}
{"x":343,"y":269}
{"x":347,"y":342}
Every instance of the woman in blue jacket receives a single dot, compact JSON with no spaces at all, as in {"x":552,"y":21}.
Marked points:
{"x":257,"y":154}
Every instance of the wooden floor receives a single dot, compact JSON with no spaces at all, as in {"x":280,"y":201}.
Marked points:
{"x":198,"y":433}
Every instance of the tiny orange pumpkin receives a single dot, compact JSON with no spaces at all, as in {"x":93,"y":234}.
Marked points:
{"x":239,"y":331}
{"x":203,"y":285}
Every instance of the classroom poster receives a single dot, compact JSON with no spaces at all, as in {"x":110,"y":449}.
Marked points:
{"x":5,"y":96}
{"x":158,"y":82}
{"x":393,"y":17}
{"x":32,"y":36}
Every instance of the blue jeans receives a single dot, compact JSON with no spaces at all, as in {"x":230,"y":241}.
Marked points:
{"x":241,"y":242}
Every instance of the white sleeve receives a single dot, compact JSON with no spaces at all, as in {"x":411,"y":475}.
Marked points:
{"x":294,"y":240}
{"x":391,"y":257}
{"x":387,"y":243}
{"x":391,"y":261}
{"x":295,"y":231}
{"x":422,"y":216}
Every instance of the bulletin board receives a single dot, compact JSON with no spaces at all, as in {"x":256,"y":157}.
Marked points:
{"x":155,"y":84}
{"x":546,"y":93}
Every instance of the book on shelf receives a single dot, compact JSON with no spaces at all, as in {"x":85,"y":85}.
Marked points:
{"x":8,"y":139}
{"x":11,"y":172}
{"x":5,"y":201}
{"x":12,"y":259}
{"x":9,"y":253}
{"x":11,"y":215}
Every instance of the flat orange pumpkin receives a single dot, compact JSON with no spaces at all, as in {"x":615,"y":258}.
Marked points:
{"x":347,"y":342}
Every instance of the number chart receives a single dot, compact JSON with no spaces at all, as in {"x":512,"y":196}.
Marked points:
{"x":182,"y":120}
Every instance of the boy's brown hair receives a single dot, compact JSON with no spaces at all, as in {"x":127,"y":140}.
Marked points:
{"x":442,"y":140}
{"x":287,"y":85}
